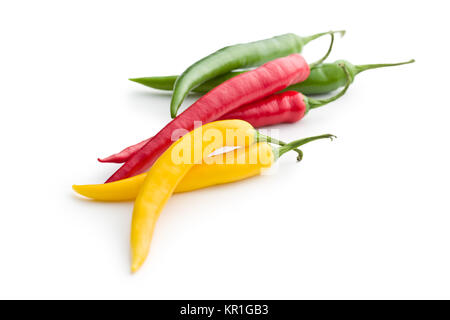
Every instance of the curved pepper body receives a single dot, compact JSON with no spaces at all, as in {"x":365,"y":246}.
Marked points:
{"x":245,"y":163}
{"x":166,"y":173}
{"x":240,"y":90}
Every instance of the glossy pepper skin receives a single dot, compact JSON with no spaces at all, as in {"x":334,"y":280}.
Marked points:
{"x":323,"y":78}
{"x":240,"y":90}
{"x":166,"y":173}
{"x":236,"y":57}
{"x":229,"y":167}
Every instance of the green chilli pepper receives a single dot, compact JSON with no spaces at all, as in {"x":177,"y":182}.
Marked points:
{"x":323,"y":78}
{"x":238,"y":56}
{"x":330,"y":76}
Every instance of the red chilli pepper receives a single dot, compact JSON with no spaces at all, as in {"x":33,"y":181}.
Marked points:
{"x":250,"y":86}
{"x":286,"y":107}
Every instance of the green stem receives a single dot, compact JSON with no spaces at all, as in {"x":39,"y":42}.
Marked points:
{"x":318,"y":35}
{"x":330,"y":48}
{"x":365,"y":67}
{"x":297,"y":143}
{"x":315,"y":103}
{"x":263,"y":138}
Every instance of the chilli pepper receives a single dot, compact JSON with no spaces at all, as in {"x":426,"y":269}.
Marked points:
{"x":245,"y":163}
{"x":285,"y":107}
{"x":236,"y":57}
{"x":324,"y":78}
{"x":248,"y":87}
{"x":167,"y":172}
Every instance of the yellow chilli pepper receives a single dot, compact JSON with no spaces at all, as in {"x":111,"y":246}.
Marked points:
{"x":233,"y":166}
{"x":224,"y":168}
{"x":170,"y":168}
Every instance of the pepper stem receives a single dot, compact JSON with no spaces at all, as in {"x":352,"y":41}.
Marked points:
{"x":297,"y":143}
{"x":330,"y":48}
{"x":315,"y":103}
{"x":318,"y":35}
{"x":365,"y":67}
{"x":263,"y":138}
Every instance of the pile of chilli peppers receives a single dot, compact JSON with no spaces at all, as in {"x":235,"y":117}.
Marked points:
{"x":243,"y":86}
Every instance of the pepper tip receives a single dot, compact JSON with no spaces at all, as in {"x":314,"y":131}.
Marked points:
{"x":135,"y":267}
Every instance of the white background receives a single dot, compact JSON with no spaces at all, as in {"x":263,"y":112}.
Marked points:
{"x":365,"y":216}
